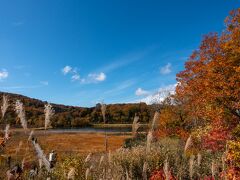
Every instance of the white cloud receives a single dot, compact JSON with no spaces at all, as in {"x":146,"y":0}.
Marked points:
{"x":97,"y":77}
{"x":75,"y":77}
{"x":166,"y":69}
{"x":3,"y":74}
{"x":160,"y":94}
{"x":91,"y":78}
{"x":141,"y":92}
{"x":66,"y":70}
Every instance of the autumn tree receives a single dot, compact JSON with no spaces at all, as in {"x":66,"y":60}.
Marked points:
{"x":208,"y":88}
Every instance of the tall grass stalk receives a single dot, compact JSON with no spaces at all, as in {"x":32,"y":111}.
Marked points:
{"x":103,"y":109}
{"x":30,"y":135}
{"x":213,"y":168}
{"x":135,"y":126}
{"x":155,"y":119}
{"x":88,"y":158}
{"x":23,"y":163}
{"x":71,"y":173}
{"x":42,"y":156}
{"x":21,"y":114}
{"x":149,"y":141}
{"x":49,"y":112}
{"x":88,"y":171}
{"x":6,"y":135}
{"x":109,"y":157}
{"x":191,"y":165}
{"x":188,"y":143}
{"x":101,"y":160}
{"x":4,"y":105}
{"x":166,"y":169}
{"x":199,"y":159}
{"x":144,"y":174}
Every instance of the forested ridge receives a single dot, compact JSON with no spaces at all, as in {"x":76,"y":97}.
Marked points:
{"x":74,"y":116}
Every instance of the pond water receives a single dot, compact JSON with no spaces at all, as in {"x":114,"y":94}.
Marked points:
{"x":90,"y":130}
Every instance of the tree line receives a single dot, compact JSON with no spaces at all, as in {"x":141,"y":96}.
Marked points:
{"x":74,"y":116}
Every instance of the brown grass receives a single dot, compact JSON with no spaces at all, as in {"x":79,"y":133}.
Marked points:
{"x":63,"y":143}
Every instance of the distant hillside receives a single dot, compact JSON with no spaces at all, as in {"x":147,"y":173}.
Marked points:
{"x":73,"y":116}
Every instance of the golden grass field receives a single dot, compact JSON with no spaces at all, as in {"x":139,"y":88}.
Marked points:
{"x":63,"y":143}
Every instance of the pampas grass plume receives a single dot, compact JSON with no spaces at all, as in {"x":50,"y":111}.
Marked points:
{"x":135,"y":126}
{"x":4,"y":105}
{"x":149,"y":141}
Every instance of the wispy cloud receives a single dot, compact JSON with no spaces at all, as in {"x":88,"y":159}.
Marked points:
{"x":97,"y":77}
{"x":3,"y":74}
{"x":90,"y":78}
{"x":166,"y":69}
{"x":120,"y":87}
{"x":141,"y":92}
{"x":75,"y":77}
{"x":67,"y":69}
{"x":125,"y":60}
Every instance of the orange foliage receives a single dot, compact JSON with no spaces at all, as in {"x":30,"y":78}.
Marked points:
{"x":209,"y":86}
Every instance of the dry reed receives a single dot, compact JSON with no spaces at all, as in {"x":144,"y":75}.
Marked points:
{"x":4,"y":105}
{"x":149,"y":141}
{"x":49,"y":112}
{"x":21,"y":114}
{"x":191,"y":165}
{"x":135,"y":126}
{"x":188,"y":143}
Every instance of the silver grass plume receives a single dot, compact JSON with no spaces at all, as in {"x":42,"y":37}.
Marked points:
{"x":188,"y":143}
{"x":155,"y":118}
{"x":127,"y":175}
{"x":87,"y":159}
{"x":6,"y":136}
{"x":144,"y":174}
{"x":103,"y":109}
{"x":191,"y":164}
{"x":101,"y":160}
{"x":166,"y":169}
{"x":23,"y":163}
{"x":199,"y":159}
{"x":149,"y":141}
{"x":135,"y":126}
{"x":42,"y":156}
{"x":30,"y":135}
{"x":49,"y":112}
{"x":87,"y":173}
{"x":21,"y":114}
{"x":4,"y":105}
{"x":71,"y":173}
{"x":40,"y":163}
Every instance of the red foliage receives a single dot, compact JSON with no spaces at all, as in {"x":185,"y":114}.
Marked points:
{"x":216,"y":139}
{"x":159,"y":175}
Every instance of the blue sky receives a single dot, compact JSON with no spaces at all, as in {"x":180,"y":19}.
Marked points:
{"x":82,"y":52}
